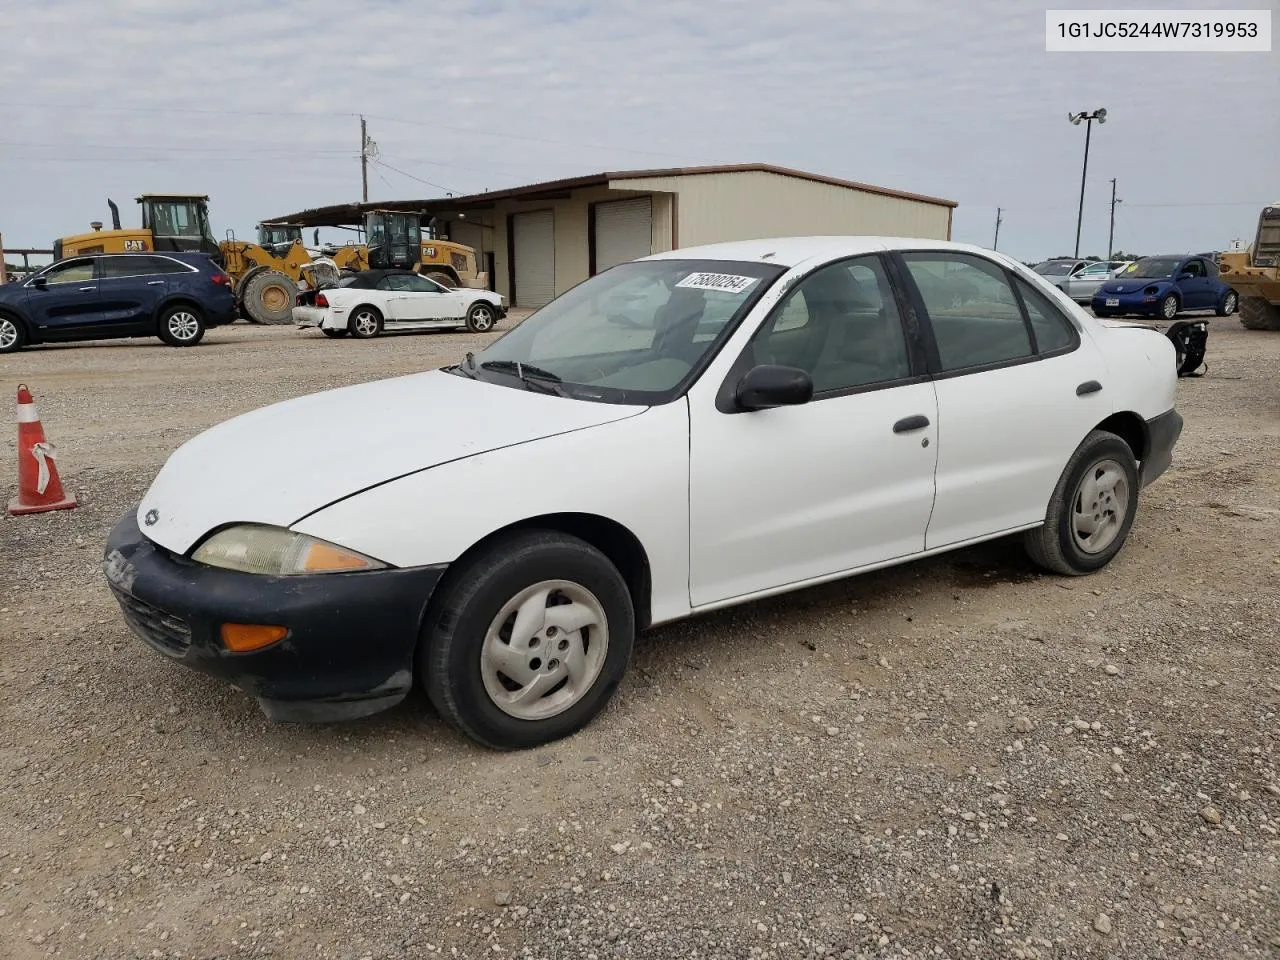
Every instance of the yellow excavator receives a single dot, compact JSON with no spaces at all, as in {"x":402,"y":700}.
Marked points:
{"x":267,"y":273}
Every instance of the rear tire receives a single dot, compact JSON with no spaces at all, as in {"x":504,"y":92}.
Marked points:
{"x":482,"y":317}
{"x":181,"y":326}
{"x":442,"y":278}
{"x":268,"y":297}
{"x":12,"y":336}
{"x":477,"y":658}
{"x":365,"y":323}
{"x":1230,"y":301}
{"x":1257,"y":314}
{"x":1087,"y":523}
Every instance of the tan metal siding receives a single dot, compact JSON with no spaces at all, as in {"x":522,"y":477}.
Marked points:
{"x":751,"y":205}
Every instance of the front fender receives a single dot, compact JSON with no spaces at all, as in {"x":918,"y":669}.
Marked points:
{"x":634,"y":472}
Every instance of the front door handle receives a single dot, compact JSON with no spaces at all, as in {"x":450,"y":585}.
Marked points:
{"x":86,"y":289}
{"x":155,"y":283}
{"x":907,"y":424}
{"x":1088,"y":387}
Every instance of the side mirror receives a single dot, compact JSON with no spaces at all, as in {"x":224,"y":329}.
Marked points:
{"x":40,"y":283}
{"x":773,"y":385}
{"x":1186,"y":276}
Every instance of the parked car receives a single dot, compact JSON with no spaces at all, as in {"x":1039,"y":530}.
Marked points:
{"x":173,"y":296}
{"x":375,"y":301}
{"x":499,"y":529}
{"x":1058,"y":271}
{"x":1082,"y":285}
{"x":1164,"y":287}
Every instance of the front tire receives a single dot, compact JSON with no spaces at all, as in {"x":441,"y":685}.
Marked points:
{"x":1092,"y":508}
{"x":528,"y":641}
{"x":12,"y":336}
{"x":1257,"y":314}
{"x":182,"y":326}
{"x":1169,"y":307}
{"x":268,"y":297}
{"x":365,"y":323}
{"x":482,"y":317}
{"x":333,"y":334}
{"x":1227,"y":307}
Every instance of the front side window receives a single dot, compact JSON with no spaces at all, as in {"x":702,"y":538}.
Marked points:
{"x":632,"y":334}
{"x":414,"y":283}
{"x":840,"y":325}
{"x":1194,"y":267}
{"x":975,"y":318}
{"x":73,"y":271}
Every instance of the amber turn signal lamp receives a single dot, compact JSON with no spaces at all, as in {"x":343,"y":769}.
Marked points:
{"x":246,"y":637}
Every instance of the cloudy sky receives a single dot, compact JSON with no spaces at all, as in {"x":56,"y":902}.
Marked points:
{"x":256,"y":104}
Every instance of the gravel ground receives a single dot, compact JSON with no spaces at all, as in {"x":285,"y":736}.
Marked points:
{"x":956,"y":758}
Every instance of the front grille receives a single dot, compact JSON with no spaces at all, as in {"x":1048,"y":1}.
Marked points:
{"x":169,"y":634}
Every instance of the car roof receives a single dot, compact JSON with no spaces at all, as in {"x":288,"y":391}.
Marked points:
{"x":366,"y":279}
{"x":792,"y":251}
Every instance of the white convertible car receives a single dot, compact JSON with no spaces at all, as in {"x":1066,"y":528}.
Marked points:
{"x":677,"y":434}
{"x":388,"y":300}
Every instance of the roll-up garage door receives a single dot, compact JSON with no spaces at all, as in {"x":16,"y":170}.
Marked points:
{"x":535,"y":257}
{"x":624,"y":231}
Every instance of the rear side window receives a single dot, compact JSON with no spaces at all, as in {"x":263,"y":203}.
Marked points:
{"x":1053,"y":331}
{"x":975,"y":317}
{"x":126,"y":266}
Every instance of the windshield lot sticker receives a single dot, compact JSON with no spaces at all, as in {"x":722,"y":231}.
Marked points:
{"x":724,"y":282}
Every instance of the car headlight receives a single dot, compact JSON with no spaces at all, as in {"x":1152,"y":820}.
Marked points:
{"x":276,"y":552}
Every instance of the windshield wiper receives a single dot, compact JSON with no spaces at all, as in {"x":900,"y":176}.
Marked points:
{"x":531,"y":376}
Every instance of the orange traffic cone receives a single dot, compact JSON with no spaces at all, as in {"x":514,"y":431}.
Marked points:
{"x":39,"y":488}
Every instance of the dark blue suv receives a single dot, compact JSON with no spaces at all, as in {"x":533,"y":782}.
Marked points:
{"x":173,"y":296}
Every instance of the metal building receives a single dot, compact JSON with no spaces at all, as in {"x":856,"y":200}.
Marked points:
{"x":539,"y":240}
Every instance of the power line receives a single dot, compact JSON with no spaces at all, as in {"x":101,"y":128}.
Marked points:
{"x":412,"y":177}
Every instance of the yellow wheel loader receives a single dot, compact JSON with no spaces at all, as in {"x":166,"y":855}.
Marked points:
{"x":1254,"y":273}
{"x":267,"y":273}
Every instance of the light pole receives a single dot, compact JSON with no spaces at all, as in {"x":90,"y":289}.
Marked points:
{"x":1101,"y":116}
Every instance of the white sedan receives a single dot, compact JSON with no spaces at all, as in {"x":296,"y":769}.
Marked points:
{"x":375,"y":301}
{"x":677,"y":434}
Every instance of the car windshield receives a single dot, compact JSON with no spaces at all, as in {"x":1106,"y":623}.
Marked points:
{"x":1150,"y":268}
{"x":633,"y":334}
{"x":1054,"y":268}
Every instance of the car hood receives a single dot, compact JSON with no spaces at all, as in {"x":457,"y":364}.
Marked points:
{"x":1132,"y":284}
{"x":279,"y":464}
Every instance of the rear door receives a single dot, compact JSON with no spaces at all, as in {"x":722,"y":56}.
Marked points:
{"x":132,"y":288}
{"x":1016,"y":393}
{"x":68,"y":306}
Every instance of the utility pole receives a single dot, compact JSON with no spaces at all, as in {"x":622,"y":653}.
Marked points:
{"x":1112,"y":235}
{"x":996,"y":242}
{"x":364,"y":161}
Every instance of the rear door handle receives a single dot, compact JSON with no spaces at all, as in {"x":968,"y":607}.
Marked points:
{"x":907,"y":424}
{"x":86,"y":289}
{"x":1088,"y":387}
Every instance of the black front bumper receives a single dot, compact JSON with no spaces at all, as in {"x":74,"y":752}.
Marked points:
{"x":1162,"y":433}
{"x":350,"y":647}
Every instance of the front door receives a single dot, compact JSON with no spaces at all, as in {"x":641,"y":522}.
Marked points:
{"x":1195,"y":289}
{"x":420,"y":298}
{"x":1015,"y":398}
{"x":68,"y":304}
{"x":844,"y":481}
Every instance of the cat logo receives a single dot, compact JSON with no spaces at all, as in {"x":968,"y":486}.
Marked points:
{"x":131,"y":246}
{"x":429,"y":252}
